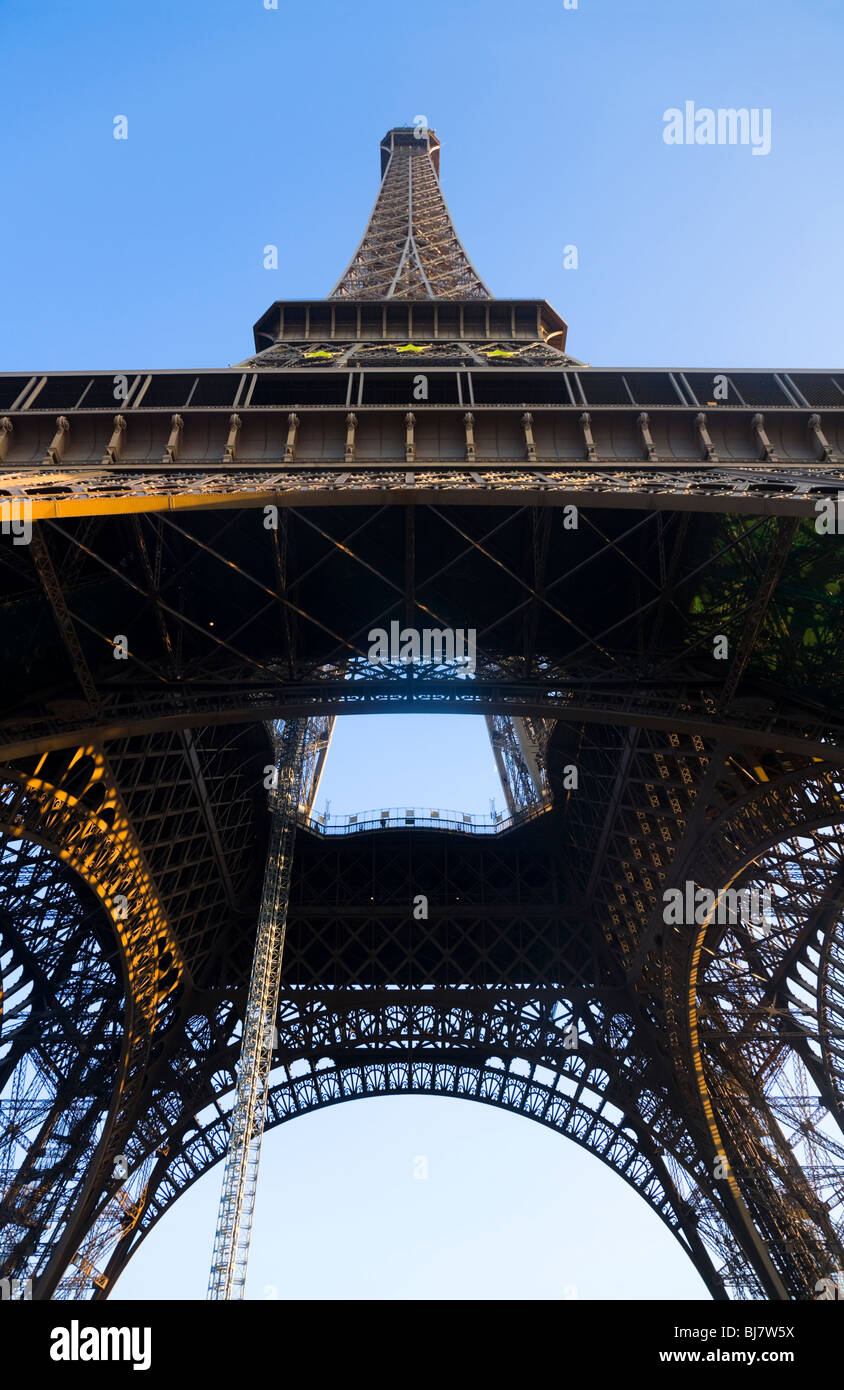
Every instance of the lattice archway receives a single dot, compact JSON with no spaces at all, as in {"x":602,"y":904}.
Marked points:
{"x":515,"y":1087}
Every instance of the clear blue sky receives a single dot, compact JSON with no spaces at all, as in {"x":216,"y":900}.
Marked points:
{"x":250,"y":126}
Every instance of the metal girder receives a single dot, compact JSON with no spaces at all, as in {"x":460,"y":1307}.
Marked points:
{"x":745,"y":489}
{"x":779,"y":725}
{"x":240,"y":1179}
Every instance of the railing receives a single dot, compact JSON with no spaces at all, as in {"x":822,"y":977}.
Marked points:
{"x":400,"y":818}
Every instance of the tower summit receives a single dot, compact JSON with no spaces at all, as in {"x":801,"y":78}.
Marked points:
{"x":411,"y":278}
{"x":410,"y":249}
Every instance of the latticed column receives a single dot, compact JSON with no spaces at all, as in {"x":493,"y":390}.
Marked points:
{"x":240,"y":1177}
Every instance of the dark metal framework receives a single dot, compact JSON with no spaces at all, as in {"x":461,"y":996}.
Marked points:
{"x":210,"y":551}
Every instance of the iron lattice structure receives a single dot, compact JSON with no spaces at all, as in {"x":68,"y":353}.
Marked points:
{"x":209,"y":553}
{"x":246,"y":1128}
{"x":410,"y":248}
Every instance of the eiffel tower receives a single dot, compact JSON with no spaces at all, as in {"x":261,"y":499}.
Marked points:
{"x":193,"y":564}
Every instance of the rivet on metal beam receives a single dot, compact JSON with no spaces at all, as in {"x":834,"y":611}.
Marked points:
{"x":230,"y":451}
{"x":6,"y":429}
{"x":55,"y":450}
{"x":290,"y":446}
{"x":644,"y":424}
{"x":469,"y":422}
{"x":762,"y":438}
{"x":351,"y":426}
{"x":705,"y":438}
{"x":171,"y":452}
{"x":114,"y":447}
{"x":409,"y":444}
{"x":530,"y":444}
{"x":586,"y":426}
{"x":820,"y":439}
